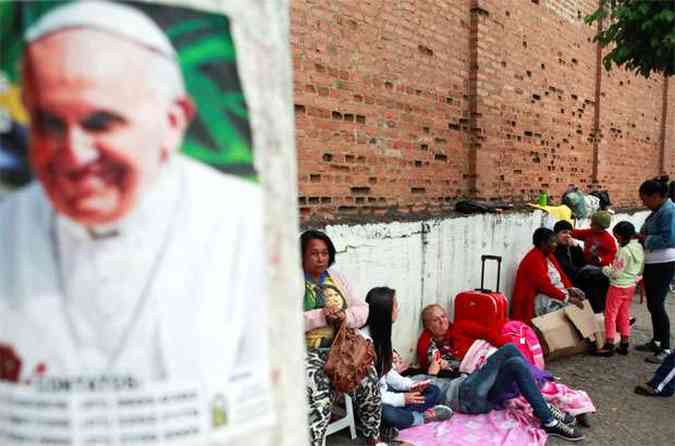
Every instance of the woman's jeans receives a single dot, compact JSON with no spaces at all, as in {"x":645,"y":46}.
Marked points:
{"x":510,"y":367}
{"x":412,"y":415}
{"x":657,"y":278}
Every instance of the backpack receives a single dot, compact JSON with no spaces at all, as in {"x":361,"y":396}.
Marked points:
{"x":524,"y":338}
{"x":476,"y":356}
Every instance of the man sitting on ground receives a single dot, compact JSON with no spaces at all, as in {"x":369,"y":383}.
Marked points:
{"x":541,"y":286}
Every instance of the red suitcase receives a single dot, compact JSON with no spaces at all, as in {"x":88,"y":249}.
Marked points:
{"x":481,"y":306}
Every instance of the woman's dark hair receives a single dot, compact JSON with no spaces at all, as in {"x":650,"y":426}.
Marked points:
{"x":653,"y":187}
{"x":624,"y":229}
{"x":313,"y":234}
{"x":562,"y":225}
{"x":541,"y":236}
{"x":380,"y":307}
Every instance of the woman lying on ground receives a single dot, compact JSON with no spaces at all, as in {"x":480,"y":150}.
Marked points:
{"x":490,"y":386}
{"x":444,"y":335}
{"x":450,"y":341}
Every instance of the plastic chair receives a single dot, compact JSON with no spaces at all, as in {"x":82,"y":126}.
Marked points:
{"x":341,"y":423}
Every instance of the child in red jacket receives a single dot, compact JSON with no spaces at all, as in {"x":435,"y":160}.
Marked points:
{"x":599,"y":245}
{"x":599,"y":250}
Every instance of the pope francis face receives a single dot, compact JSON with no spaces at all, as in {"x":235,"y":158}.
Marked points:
{"x":102,"y":126}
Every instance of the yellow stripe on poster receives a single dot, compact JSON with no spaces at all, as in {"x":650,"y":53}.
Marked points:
{"x":10,"y":101}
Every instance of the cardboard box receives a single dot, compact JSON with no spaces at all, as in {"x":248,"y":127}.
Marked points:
{"x":567,"y":331}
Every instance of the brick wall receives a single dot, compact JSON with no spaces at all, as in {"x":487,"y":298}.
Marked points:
{"x":402,"y":107}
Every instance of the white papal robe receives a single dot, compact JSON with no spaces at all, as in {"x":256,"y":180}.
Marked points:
{"x":178,"y":295}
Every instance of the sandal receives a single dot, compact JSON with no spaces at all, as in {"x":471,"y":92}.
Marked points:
{"x":646,"y":390}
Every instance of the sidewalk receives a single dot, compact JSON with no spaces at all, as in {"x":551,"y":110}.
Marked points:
{"x":623,"y":418}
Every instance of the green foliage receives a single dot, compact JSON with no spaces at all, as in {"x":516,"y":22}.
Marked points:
{"x":220,"y":134}
{"x":639,"y":33}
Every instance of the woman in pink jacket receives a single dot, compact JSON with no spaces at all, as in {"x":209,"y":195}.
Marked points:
{"x":328,"y":301}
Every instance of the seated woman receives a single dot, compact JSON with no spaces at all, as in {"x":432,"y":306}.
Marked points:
{"x":449,"y":341}
{"x":569,"y":255}
{"x":328,"y":301}
{"x":484,"y":389}
{"x":405,"y":402}
{"x":541,"y":286}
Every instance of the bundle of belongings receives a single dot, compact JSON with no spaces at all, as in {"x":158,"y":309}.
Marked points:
{"x":584,"y":205}
{"x":481,"y":207}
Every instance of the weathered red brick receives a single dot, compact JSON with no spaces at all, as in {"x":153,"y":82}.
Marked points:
{"x":399,"y":100}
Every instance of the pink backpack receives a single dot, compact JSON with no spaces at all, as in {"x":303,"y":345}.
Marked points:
{"x":524,"y":338}
{"x":477,"y":356}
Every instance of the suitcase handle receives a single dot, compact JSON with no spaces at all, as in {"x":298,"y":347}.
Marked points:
{"x":483,"y":258}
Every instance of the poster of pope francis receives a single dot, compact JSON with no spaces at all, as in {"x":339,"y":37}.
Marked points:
{"x":131,"y":229}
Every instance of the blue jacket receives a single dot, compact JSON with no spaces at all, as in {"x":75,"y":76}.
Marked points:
{"x":660,"y":228}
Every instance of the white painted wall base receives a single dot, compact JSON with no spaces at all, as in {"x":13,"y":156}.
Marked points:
{"x":432,"y":260}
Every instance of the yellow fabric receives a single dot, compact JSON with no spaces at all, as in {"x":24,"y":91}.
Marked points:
{"x":561,"y":212}
{"x":322,"y":337}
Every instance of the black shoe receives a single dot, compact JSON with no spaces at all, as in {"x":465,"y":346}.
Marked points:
{"x":606,"y":351}
{"x":439,"y":412}
{"x":658,"y":357}
{"x":564,"y":431}
{"x":623,"y":348}
{"x":650,"y":347}
{"x":388,"y":433}
{"x":562,"y":416}
{"x":584,"y":420}
{"x":647,"y":390}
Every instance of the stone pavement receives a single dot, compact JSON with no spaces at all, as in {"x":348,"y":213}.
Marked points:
{"x":623,"y":418}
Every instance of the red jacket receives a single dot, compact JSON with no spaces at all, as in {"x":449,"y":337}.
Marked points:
{"x":459,"y":338}
{"x":532,"y":279}
{"x":600,"y":244}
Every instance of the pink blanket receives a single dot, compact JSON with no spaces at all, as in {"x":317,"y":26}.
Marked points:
{"x":514,"y":426}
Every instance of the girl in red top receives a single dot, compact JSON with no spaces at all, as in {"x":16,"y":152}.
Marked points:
{"x":599,"y":245}
{"x":599,"y":250}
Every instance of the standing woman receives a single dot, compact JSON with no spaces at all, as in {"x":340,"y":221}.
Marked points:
{"x":658,"y":238}
{"x":328,"y":301}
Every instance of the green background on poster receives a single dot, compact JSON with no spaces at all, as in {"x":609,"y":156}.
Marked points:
{"x":220,"y":134}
